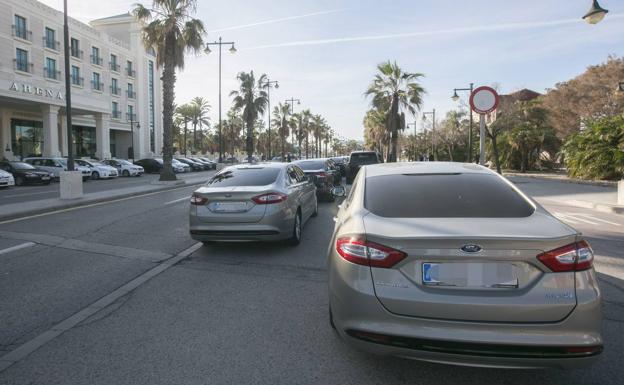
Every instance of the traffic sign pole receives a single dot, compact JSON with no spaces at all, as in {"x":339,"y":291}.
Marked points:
{"x":482,"y":139}
{"x":483,"y":100}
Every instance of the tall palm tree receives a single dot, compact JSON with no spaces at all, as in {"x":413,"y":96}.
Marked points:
{"x":200,"y":109}
{"x":170,"y":30}
{"x":306,"y":130}
{"x":184,"y":115}
{"x":252,"y":99}
{"x":395,"y":92}
{"x":281,"y":116}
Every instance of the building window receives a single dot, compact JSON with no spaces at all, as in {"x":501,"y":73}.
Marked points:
{"x":19,"y":28}
{"x":116,"y":112}
{"x":84,"y":141}
{"x":152,"y":116}
{"x":114,"y":87}
{"x":130,"y":115}
{"x":131,"y":94}
{"x":21,"y":60}
{"x":130,"y":69}
{"x":95,"y":82}
{"x":50,"y":70}
{"x":49,"y":40}
{"x":95,"y":56}
{"x":113,"y":63}
{"x":75,"y":76}
{"x":27,"y":137}
{"x":75,"y":48}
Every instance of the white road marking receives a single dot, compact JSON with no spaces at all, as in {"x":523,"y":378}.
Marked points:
{"x":593,"y":218}
{"x":577,"y":218}
{"x":17,"y":247}
{"x":565,"y":218}
{"x":178,"y":200}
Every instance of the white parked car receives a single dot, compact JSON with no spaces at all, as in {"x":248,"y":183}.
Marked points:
{"x":55,"y":165}
{"x":98,"y":170}
{"x":6,"y":179}
{"x":124,"y":167}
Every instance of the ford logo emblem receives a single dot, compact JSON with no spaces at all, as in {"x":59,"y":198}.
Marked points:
{"x":471,"y":248}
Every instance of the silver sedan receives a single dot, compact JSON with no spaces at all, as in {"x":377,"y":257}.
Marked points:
{"x":451,"y":263}
{"x":253,"y":202}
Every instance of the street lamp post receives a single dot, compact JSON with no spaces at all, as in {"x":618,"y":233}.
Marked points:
{"x":232,"y":50}
{"x":268,"y":84}
{"x":138,"y":126}
{"x":424,"y":116}
{"x":291,"y":103}
{"x":68,"y":108}
{"x":455,"y":98}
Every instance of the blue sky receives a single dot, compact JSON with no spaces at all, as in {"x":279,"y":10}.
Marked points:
{"x":325,"y":52}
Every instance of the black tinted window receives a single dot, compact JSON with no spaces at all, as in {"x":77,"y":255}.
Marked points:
{"x":363,"y":158}
{"x":252,"y":176}
{"x":312,"y":165}
{"x":444,"y":196}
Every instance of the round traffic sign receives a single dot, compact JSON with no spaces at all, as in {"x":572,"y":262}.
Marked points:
{"x":484,"y":100}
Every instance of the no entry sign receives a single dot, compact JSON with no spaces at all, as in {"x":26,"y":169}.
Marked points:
{"x":484,"y":100}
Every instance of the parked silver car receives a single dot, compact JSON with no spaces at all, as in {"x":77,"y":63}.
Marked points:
{"x":98,"y":170}
{"x":262,"y":202}
{"x":55,"y":165}
{"x":451,"y":263}
{"x":125,"y":168}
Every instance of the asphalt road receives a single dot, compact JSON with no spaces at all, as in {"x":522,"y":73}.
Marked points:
{"x":229,"y":313}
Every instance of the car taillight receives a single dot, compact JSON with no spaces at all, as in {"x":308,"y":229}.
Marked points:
{"x":576,"y":256}
{"x":198,"y":200}
{"x":269,"y":198}
{"x":363,"y":252}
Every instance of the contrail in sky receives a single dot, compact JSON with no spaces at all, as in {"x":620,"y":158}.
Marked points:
{"x":276,"y":20}
{"x":485,"y":28}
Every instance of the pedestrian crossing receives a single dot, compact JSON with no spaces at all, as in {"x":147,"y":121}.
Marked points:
{"x":581,"y":218}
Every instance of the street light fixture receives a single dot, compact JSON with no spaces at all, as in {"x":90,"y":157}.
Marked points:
{"x":232,"y":50}
{"x":268,"y":84}
{"x":595,"y":14}
{"x":455,"y":98}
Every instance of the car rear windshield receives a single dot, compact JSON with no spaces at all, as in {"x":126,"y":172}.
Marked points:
{"x":444,"y":196}
{"x":312,"y":165}
{"x":363,"y":158}
{"x":252,"y":176}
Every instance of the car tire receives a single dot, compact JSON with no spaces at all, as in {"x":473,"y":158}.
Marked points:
{"x":315,"y":213}
{"x":19,"y":181}
{"x":125,"y":173}
{"x":295,"y":238}
{"x":95,"y":175}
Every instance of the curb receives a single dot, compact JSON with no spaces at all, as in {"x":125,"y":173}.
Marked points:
{"x":602,"y":207}
{"x":601,"y":183}
{"x":89,"y":201}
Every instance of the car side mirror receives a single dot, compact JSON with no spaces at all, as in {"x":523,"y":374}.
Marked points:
{"x":339,"y":191}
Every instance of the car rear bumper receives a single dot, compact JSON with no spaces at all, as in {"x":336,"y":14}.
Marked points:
{"x":363,"y":322}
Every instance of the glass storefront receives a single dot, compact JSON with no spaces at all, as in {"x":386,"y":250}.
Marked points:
{"x":84,"y":141}
{"x":26,"y":137}
{"x":113,"y":147}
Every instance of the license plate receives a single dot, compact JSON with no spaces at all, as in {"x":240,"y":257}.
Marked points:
{"x":470,"y":274}
{"x":228,"y":207}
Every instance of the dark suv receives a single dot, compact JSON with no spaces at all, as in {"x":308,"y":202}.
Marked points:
{"x":358,"y":159}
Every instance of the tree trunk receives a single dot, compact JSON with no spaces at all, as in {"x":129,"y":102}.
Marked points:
{"x":195,"y":137}
{"x":168,"y":84}
{"x":283,"y":140}
{"x":394,"y":122}
{"x":306,"y":145}
{"x":249,"y":144}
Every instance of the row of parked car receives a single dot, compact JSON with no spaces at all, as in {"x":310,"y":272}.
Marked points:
{"x":179,"y":164}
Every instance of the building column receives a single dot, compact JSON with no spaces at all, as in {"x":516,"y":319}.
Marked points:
{"x":102,"y":136}
{"x":5,"y":135}
{"x":50,"y":130}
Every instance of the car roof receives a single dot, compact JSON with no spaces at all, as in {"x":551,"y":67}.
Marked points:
{"x":259,"y":164}
{"x":425,"y":168}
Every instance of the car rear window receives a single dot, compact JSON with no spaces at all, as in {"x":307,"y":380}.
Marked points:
{"x":252,"y":176}
{"x":444,"y":196}
{"x":312,"y":165}
{"x":363,"y":158}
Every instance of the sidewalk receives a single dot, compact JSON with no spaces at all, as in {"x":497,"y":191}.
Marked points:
{"x":18,"y":210}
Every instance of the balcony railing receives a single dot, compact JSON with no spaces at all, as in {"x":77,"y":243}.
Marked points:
{"x":113,"y":66}
{"x":115,"y":90}
{"x":130,"y":72}
{"x":130,"y":117}
{"x":51,"y":44}
{"x":77,"y":81}
{"x":116,"y":114}
{"x":131,"y":94}
{"x":21,"y":33}
{"x":97,"y":85}
{"x":77,"y":53}
{"x":24,"y":66}
{"x":51,"y":73}
{"x":96,"y":60}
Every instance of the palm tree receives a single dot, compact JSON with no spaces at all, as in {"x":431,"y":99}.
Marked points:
{"x":306,"y":129}
{"x":252,"y":99}
{"x":200,"y":109}
{"x":281,"y":116}
{"x":183,"y":115}
{"x":170,"y":31}
{"x":395,"y":92}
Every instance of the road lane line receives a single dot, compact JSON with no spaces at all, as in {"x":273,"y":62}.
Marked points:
{"x":565,"y":218}
{"x":599,"y":219}
{"x":22,"y":351}
{"x":177,"y":200}
{"x":17,"y":247}
{"x":576,"y":217}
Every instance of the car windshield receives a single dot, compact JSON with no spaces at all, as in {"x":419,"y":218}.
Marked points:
{"x":444,"y":196}
{"x":363,"y":158}
{"x":245,"y":176}
{"x":312,"y":165}
{"x":22,"y":166}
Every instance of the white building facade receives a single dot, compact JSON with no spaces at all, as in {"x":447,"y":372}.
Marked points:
{"x":115,"y":84}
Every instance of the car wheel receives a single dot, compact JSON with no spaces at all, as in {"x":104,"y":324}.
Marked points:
{"x":315,"y":213}
{"x":125,"y":173}
{"x":295,"y":239}
{"x":95,"y":175}
{"x":19,"y":181}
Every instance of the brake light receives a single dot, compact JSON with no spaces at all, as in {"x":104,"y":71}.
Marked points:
{"x":576,"y":256}
{"x":270,"y":198}
{"x":366,"y":253}
{"x":198,"y":200}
